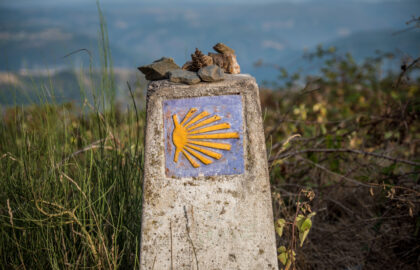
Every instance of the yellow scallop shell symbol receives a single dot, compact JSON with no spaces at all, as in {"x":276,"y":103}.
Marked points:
{"x":190,"y":135}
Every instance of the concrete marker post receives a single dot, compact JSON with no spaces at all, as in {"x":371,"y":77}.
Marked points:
{"x":206,"y":194}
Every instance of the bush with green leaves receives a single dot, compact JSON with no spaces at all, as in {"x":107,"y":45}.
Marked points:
{"x":351,"y":134}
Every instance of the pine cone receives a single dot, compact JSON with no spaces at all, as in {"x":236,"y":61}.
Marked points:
{"x":199,"y":60}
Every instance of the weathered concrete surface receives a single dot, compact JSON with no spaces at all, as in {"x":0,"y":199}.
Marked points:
{"x":207,"y":222}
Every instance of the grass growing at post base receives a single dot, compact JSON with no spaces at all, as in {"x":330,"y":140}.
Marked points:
{"x":71,"y":178}
{"x":70,"y":188}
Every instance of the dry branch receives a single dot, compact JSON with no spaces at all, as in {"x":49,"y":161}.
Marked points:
{"x":344,"y":150}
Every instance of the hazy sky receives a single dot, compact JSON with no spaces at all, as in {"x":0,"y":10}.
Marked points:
{"x":67,"y":2}
{"x":144,"y":30}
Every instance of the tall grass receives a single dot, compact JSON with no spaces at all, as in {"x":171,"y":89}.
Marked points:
{"x":70,"y":180}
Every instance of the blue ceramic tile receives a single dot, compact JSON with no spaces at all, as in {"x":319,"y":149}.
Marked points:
{"x":224,"y":162}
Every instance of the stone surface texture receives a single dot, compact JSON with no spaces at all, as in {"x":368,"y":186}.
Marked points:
{"x":183,"y":76}
{"x":207,"y":222}
{"x":158,"y":69}
{"x":211,"y":73}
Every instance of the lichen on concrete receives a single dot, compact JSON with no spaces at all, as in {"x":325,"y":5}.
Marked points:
{"x":207,"y":222}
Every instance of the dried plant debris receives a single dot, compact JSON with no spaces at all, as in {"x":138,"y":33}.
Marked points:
{"x":225,"y":59}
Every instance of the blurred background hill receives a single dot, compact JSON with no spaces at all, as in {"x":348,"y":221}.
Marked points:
{"x":36,"y":36}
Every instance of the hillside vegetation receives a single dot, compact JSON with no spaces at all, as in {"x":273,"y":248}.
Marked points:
{"x":71,"y":176}
{"x":352,"y":137}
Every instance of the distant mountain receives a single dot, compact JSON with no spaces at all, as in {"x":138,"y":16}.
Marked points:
{"x":44,"y":86}
{"x":360,"y":45}
{"x":141,"y":32}
{"x":364,"y":44}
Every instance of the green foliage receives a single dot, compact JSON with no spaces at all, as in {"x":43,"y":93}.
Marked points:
{"x":304,"y":224}
{"x":301,"y":224}
{"x":351,"y":134}
{"x":280,"y":223}
{"x":286,"y":256}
